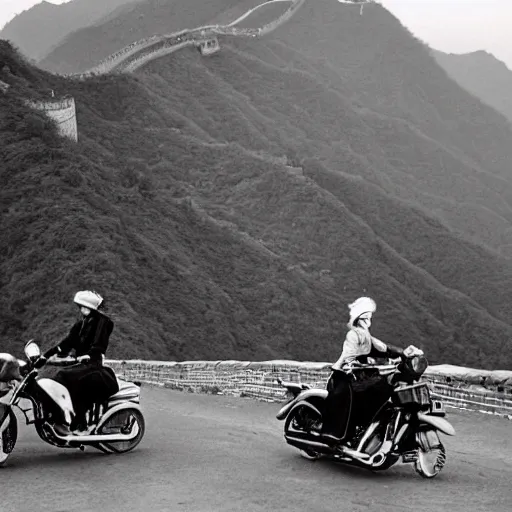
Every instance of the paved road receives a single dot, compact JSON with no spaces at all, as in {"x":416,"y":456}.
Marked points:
{"x":215,"y":453}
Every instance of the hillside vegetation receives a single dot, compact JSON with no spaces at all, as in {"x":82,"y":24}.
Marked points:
{"x":231,"y":207}
{"x":39,"y":29}
{"x":481,"y":74}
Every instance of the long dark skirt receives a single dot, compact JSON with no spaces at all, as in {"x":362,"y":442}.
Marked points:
{"x":350,"y":404}
{"x":337,"y":405}
{"x":366,"y":403}
{"x":88,"y":384}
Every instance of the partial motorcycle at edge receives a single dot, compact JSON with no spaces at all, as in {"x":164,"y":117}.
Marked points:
{"x":115,"y":426}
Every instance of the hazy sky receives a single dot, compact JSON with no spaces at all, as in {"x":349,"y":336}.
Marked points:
{"x":455,"y":26}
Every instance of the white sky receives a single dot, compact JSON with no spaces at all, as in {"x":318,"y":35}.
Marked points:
{"x":455,"y":26}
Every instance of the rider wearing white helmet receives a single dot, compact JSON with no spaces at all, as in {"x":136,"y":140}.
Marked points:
{"x":89,"y":339}
{"x":358,"y":345}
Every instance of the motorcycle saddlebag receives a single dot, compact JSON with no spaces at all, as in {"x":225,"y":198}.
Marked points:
{"x":414,"y":394}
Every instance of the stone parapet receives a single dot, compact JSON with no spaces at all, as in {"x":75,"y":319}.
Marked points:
{"x":258,"y":380}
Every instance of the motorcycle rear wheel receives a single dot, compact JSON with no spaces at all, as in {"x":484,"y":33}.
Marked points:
{"x":122,"y":422}
{"x":431,"y":462}
{"x":301,"y":420}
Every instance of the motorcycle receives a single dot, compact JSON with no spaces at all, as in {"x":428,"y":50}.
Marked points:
{"x":406,"y":424}
{"x":115,"y":426}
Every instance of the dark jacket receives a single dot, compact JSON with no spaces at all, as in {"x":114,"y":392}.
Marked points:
{"x":88,"y":337}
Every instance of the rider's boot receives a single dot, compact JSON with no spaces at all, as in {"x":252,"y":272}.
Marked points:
{"x":81,"y":427}
{"x":344,"y":447}
{"x":330,"y":439}
{"x":62,"y":430}
{"x":83,"y":431}
{"x":347,"y":450}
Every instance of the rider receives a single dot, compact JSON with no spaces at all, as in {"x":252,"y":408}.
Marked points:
{"x":358,"y":345}
{"x":89,"y":382}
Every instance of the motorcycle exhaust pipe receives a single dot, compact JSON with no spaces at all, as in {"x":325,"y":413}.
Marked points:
{"x":325,"y":448}
{"x":304,"y":444}
{"x":100,"y":438}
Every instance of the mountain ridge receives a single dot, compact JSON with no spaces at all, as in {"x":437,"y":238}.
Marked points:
{"x":40,"y":28}
{"x":483,"y":75}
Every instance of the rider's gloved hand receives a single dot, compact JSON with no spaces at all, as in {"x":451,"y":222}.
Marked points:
{"x":412,"y":351}
{"x":83,"y":359}
{"x":348,"y":367}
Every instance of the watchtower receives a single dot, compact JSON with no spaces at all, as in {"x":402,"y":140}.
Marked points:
{"x":209,"y":46}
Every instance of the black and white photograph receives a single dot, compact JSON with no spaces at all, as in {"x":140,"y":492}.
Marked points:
{"x":255,"y":255}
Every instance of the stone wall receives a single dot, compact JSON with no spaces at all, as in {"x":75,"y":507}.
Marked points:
{"x":63,"y":112}
{"x":296,"y":5}
{"x":489,"y":392}
{"x":138,"y":53}
{"x":250,"y":11}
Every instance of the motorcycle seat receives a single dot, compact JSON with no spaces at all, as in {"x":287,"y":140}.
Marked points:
{"x":127,"y":391}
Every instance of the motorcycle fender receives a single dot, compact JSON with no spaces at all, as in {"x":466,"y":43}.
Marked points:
{"x":304,"y":403}
{"x":301,"y":398}
{"x":5,"y":418}
{"x":120,"y":407}
{"x":60,"y":395}
{"x":283,"y":412}
{"x":439,"y":423}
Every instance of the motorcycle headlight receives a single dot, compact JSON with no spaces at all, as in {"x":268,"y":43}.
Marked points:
{"x":418,"y":365}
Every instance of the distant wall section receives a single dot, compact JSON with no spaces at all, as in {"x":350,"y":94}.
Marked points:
{"x":138,"y":53}
{"x":63,"y":112}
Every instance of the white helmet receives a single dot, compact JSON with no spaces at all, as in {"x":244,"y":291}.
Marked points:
{"x":88,"y":299}
{"x":362,"y":306}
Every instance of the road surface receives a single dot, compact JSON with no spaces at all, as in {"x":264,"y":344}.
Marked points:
{"x":216,"y":453}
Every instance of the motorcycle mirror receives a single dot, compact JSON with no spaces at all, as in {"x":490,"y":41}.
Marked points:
{"x":32,"y":350}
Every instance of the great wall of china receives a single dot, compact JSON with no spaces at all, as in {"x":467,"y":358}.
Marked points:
{"x":139,"y":53}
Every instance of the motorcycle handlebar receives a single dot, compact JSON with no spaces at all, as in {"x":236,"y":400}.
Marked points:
{"x":373,"y":367}
{"x":62,"y":361}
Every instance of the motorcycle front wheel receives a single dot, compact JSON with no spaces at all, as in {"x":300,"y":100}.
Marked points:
{"x":430,"y":462}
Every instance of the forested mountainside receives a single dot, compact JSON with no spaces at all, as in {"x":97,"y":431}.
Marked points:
{"x":232,"y":207}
